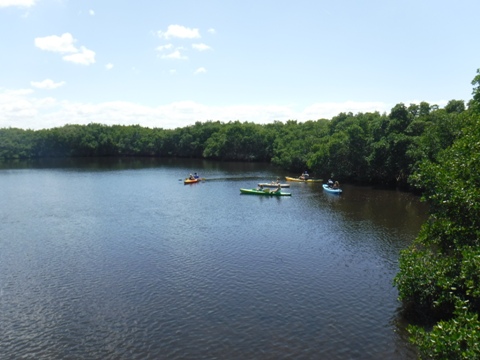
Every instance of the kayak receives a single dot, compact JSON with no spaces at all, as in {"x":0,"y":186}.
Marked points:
{"x":273,"y":185}
{"x":191,"y":181}
{"x":264,"y":192}
{"x":331,"y":190}
{"x":302,"y":180}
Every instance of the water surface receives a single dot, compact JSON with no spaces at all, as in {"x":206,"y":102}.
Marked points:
{"x":117,"y":259}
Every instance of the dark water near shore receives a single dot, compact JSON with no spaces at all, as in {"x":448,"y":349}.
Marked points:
{"x":117,"y":259}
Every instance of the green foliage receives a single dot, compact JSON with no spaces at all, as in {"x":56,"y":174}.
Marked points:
{"x":238,"y":141}
{"x":474,"y":104}
{"x":455,"y":106}
{"x":191,"y":141}
{"x":16,"y":143}
{"x":392,"y":145}
{"x":342,"y":150}
{"x":399,"y":119}
{"x":295,"y":143}
{"x":440,"y":272}
{"x":457,"y":338}
{"x":426,"y":280}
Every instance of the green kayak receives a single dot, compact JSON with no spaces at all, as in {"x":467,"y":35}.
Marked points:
{"x":264,"y":192}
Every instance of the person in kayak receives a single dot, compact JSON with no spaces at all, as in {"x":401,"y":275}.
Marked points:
{"x":195,"y":175}
{"x":260,"y":187}
{"x":304,"y":176}
{"x":278,"y":189}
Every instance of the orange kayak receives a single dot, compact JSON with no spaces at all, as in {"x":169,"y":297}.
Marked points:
{"x":191,"y":181}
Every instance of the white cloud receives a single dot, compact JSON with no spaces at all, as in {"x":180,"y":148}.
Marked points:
{"x":331,"y":109}
{"x":84,"y":57}
{"x":178,"y":31}
{"x":21,"y":108}
{"x":109,"y":66}
{"x":64,"y":44}
{"x":61,"y":44}
{"x":165,"y":47}
{"x":91,"y":12}
{"x":17,"y":108}
{"x":200,"y":70}
{"x":47,"y":84}
{"x":19,"y":3}
{"x":201,"y":47}
{"x":177,"y":55}
{"x":18,"y":92}
{"x":211,"y":31}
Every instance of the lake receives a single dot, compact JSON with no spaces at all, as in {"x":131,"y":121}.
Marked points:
{"x":118,"y":259}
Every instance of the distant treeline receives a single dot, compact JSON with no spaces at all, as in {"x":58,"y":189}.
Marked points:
{"x":422,"y":146}
{"x":363,"y":148}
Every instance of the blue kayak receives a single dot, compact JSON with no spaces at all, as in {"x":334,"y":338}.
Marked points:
{"x":331,"y":190}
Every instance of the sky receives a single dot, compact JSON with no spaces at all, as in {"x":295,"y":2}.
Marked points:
{"x":171,"y":63}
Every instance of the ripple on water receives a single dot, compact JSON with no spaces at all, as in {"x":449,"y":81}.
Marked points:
{"x":107,"y":266}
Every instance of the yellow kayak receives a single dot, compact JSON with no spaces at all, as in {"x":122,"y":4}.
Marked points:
{"x":302,"y":180}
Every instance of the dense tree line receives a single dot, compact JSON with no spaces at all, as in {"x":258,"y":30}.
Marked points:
{"x":364,"y":147}
{"x":421,"y":146}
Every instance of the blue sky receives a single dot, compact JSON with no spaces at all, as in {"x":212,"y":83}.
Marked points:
{"x":171,"y":63}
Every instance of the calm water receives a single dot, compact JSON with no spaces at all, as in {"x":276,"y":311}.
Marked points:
{"x":117,"y":259}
